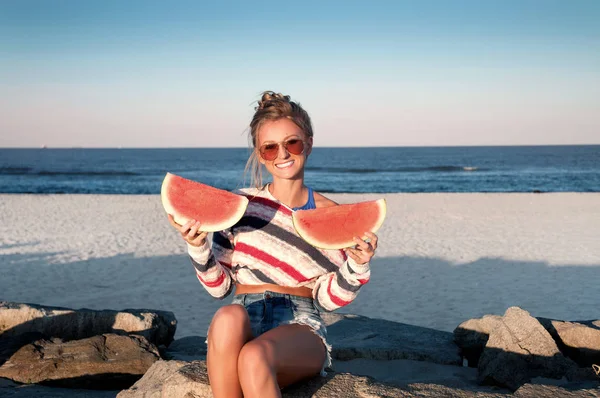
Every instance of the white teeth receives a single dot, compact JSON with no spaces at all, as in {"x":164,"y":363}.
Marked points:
{"x":284,"y":165}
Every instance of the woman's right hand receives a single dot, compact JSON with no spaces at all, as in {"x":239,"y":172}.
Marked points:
{"x":190,"y":231}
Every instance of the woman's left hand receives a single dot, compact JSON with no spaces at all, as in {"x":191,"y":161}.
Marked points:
{"x":363,"y":251}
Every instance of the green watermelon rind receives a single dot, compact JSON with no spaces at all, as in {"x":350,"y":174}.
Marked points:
{"x":181,"y":219}
{"x":342,"y":244}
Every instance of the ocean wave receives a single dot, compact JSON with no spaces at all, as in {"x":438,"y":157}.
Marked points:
{"x":443,"y":169}
{"x":30,"y":171}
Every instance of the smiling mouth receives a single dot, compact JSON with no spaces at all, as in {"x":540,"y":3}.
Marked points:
{"x":284,"y":165}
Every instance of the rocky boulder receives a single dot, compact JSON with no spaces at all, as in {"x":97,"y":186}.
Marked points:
{"x":472,"y":336}
{"x":107,"y":362}
{"x":519,"y":349}
{"x":579,"y":341}
{"x":158,"y":327}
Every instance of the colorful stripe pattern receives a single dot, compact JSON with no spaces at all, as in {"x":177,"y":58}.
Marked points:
{"x":263,"y":247}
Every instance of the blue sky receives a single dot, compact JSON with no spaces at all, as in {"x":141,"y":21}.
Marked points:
{"x":179,"y":74}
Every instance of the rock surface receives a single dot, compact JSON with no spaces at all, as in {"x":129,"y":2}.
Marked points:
{"x":179,"y":379}
{"x":354,"y":336}
{"x":519,"y":349}
{"x":107,"y":361}
{"x":579,"y":341}
{"x":158,"y":327}
{"x":188,"y":348}
{"x":586,"y":390}
{"x":10,"y":389}
{"x":472,"y":336}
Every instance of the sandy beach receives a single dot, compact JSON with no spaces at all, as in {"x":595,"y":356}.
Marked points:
{"x":442,"y":259}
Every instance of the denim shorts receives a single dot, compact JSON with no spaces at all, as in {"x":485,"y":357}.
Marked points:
{"x":268,"y":310}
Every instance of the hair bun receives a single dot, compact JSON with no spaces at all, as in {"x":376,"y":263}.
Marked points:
{"x":270,"y":98}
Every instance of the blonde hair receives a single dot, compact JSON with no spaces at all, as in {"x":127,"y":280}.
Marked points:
{"x":271,"y":107}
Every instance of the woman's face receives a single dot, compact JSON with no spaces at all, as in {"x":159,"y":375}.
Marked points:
{"x":285,"y":163}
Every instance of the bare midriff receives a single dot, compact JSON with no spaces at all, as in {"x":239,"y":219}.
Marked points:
{"x":294,"y":291}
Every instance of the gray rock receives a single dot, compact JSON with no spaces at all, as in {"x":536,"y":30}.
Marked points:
{"x":441,"y":391}
{"x":103,"y":362}
{"x":188,"y":348}
{"x":354,"y":336}
{"x":158,"y":327}
{"x":472,"y":336}
{"x":519,"y":349}
{"x":579,"y":341}
{"x":10,"y":389}
{"x":157,"y":382}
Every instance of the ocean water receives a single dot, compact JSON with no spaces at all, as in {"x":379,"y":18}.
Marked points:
{"x":378,"y":170}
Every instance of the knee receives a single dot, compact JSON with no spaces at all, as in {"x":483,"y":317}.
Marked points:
{"x":256,"y":356}
{"x":229,"y":324}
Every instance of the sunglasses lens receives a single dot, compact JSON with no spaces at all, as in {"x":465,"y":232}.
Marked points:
{"x":295,"y":147}
{"x":269,"y":151}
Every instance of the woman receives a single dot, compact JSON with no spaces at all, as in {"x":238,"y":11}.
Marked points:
{"x":272,"y":335}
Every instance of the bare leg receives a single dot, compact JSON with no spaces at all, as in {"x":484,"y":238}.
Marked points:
{"x":279,"y":357}
{"x":228,"y":332}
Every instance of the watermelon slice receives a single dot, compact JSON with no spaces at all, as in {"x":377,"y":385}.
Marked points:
{"x":334,"y":227}
{"x":215,"y":208}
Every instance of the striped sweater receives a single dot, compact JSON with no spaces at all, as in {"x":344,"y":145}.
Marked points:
{"x":263,"y":247}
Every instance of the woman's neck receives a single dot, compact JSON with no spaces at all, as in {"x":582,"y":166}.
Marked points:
{"x":291,"y":193}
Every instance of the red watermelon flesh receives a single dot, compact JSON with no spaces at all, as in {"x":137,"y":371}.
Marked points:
{"x":216,"y":209}
{"x":335,"y":227}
